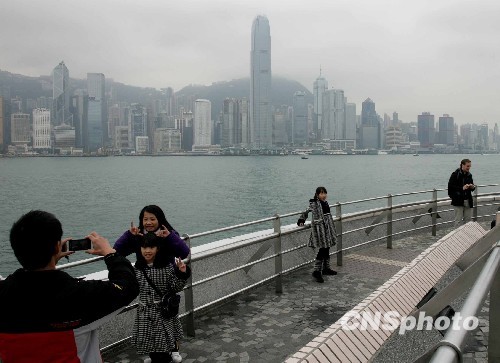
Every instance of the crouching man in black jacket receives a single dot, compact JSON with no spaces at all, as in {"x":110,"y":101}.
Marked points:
{"x":45,"y":314}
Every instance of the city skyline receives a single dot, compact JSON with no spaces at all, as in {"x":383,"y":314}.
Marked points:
{"x":407,"y":57}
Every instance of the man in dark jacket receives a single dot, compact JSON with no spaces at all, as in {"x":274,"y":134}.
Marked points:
{"x":45,"y":314}
{"x":460,"y":188}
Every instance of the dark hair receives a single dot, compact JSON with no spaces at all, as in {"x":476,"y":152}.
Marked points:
{"x":34,"y":238}
{"x":150,"y":239}
{"x":154,"y":209}
{"x":319,"y":190}
{"x":464,"y":161}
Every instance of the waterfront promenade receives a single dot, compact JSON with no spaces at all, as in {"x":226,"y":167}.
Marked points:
{"x":263,"y":326}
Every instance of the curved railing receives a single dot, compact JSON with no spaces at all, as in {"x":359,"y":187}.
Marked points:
{"x":349,"y":225}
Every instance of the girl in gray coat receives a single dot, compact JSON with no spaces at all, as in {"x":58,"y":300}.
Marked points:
{"x":323,"y":234}
{"x":154,"y":334}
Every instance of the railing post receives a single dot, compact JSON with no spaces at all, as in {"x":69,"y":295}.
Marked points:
{"x":189,"y":296}
{"x":389,"y":221}
{"x":278,"y":260}
{"x":339,"y":234}
{"x":474,"y":210}
{"x":434,"y":211}
{"x":494,"y":335}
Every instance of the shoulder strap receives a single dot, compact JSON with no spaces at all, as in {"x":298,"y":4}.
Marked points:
{"x":151,"y":283}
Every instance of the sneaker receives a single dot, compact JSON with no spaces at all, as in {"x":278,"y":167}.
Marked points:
{"x":317,"y":276}
{"x":176,"y":357}
{"x":329,"y":271}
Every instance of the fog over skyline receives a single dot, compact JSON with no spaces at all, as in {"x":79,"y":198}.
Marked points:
{"x":438,"y":56}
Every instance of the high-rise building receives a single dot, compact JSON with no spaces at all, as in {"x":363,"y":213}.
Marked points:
{"x":320,"y":85}
{"x":446,"y":134}
{"x":61,"y":96}
{"x":231,"y":123}
{"x":333,"y":125}
{"x":41,"y":129}
{"x":260,"y":84}
{"x":426,"y":129}
{"x":299,"y":123}
{"x":369,"y":130}
{"x":97,"y":115}
{"x":350,"y":121}
{"x":20,"y":128}
{"x":245,"y":122}
{"x":202,"y":124}
{"x":80,"y":108}
{"x":2,"y":124}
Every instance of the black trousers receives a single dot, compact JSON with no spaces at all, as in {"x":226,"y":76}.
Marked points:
{"x":160,"y":357}
{"x":323,"y":253}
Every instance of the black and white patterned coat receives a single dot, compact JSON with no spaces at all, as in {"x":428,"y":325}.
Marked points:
{"x":323,"y":233}
{"x":153,"y":333}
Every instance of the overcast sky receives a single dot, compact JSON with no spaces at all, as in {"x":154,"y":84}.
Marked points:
{"x":440,"y":56}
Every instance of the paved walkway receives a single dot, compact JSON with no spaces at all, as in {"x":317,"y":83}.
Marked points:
{"x":263,"y":326}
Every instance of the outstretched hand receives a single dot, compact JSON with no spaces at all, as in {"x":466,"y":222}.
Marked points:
{"x":134,"y":230}
{"x":163,"y":232}
{"x":180,"y":264}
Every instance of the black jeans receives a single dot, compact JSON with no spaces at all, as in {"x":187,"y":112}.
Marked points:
{"x":323,"y":253}
{"x":160,"y":357}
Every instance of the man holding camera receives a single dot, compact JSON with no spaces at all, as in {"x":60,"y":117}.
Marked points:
{"x":460,"y":188}
{"x":45,"y":314}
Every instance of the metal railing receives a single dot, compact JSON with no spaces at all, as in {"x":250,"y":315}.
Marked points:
{"x":382,"y":216}
{"x":450,"y":348}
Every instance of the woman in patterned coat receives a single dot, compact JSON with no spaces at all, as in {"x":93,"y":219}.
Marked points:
{"x":153,"y":334}
{"x":323,"y":234}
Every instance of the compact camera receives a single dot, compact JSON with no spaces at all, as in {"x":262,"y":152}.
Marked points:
{"x":79,"y":244}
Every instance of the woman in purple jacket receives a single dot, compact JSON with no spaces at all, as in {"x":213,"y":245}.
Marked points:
{"x":152,"y":219}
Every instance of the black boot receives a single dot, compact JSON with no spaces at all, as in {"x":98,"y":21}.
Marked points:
{"x":326,"y":267}
{"x":317,"y":271}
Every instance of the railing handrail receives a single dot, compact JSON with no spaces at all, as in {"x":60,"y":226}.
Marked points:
{"x":336,"y":218}
{"x":450,"y":348}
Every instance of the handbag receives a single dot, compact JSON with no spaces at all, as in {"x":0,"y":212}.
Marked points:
{"x":169,"y":303}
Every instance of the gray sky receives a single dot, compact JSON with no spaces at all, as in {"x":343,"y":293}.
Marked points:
{"x":440,"y":56}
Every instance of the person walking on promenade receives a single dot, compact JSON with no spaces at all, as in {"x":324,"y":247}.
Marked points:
{"x":45,"y":314}
{"x":460,"y":188}
{"x":153,"y":333}
{"x":152,"y":219}
{"x":323,"y":234}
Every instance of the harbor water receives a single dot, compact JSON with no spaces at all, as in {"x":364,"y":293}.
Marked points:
{"x":200,"y":193}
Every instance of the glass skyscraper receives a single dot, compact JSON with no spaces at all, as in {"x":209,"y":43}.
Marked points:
{"x":260,"y":85}
{"x":60,"y":96}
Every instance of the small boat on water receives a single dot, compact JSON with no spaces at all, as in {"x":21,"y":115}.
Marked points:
{"x":304,"y":157}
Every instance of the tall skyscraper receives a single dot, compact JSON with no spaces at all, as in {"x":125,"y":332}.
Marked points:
{"x":202,"y":125}
{"x":446,"y":133}
{"x":2,"y":122}
{"x":97,"y":111}
{"x":231,"y":123}
{"x":299,"y":124}
{"x":319,"y":88}
{"x":370,"y":130}
{"x":426,"y":129}
{"x":60,"y":96}
{"x":260,"y":84}
{"x":41,"y":129}
{"x":20,"y":128}
{"x":333,"y":124}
